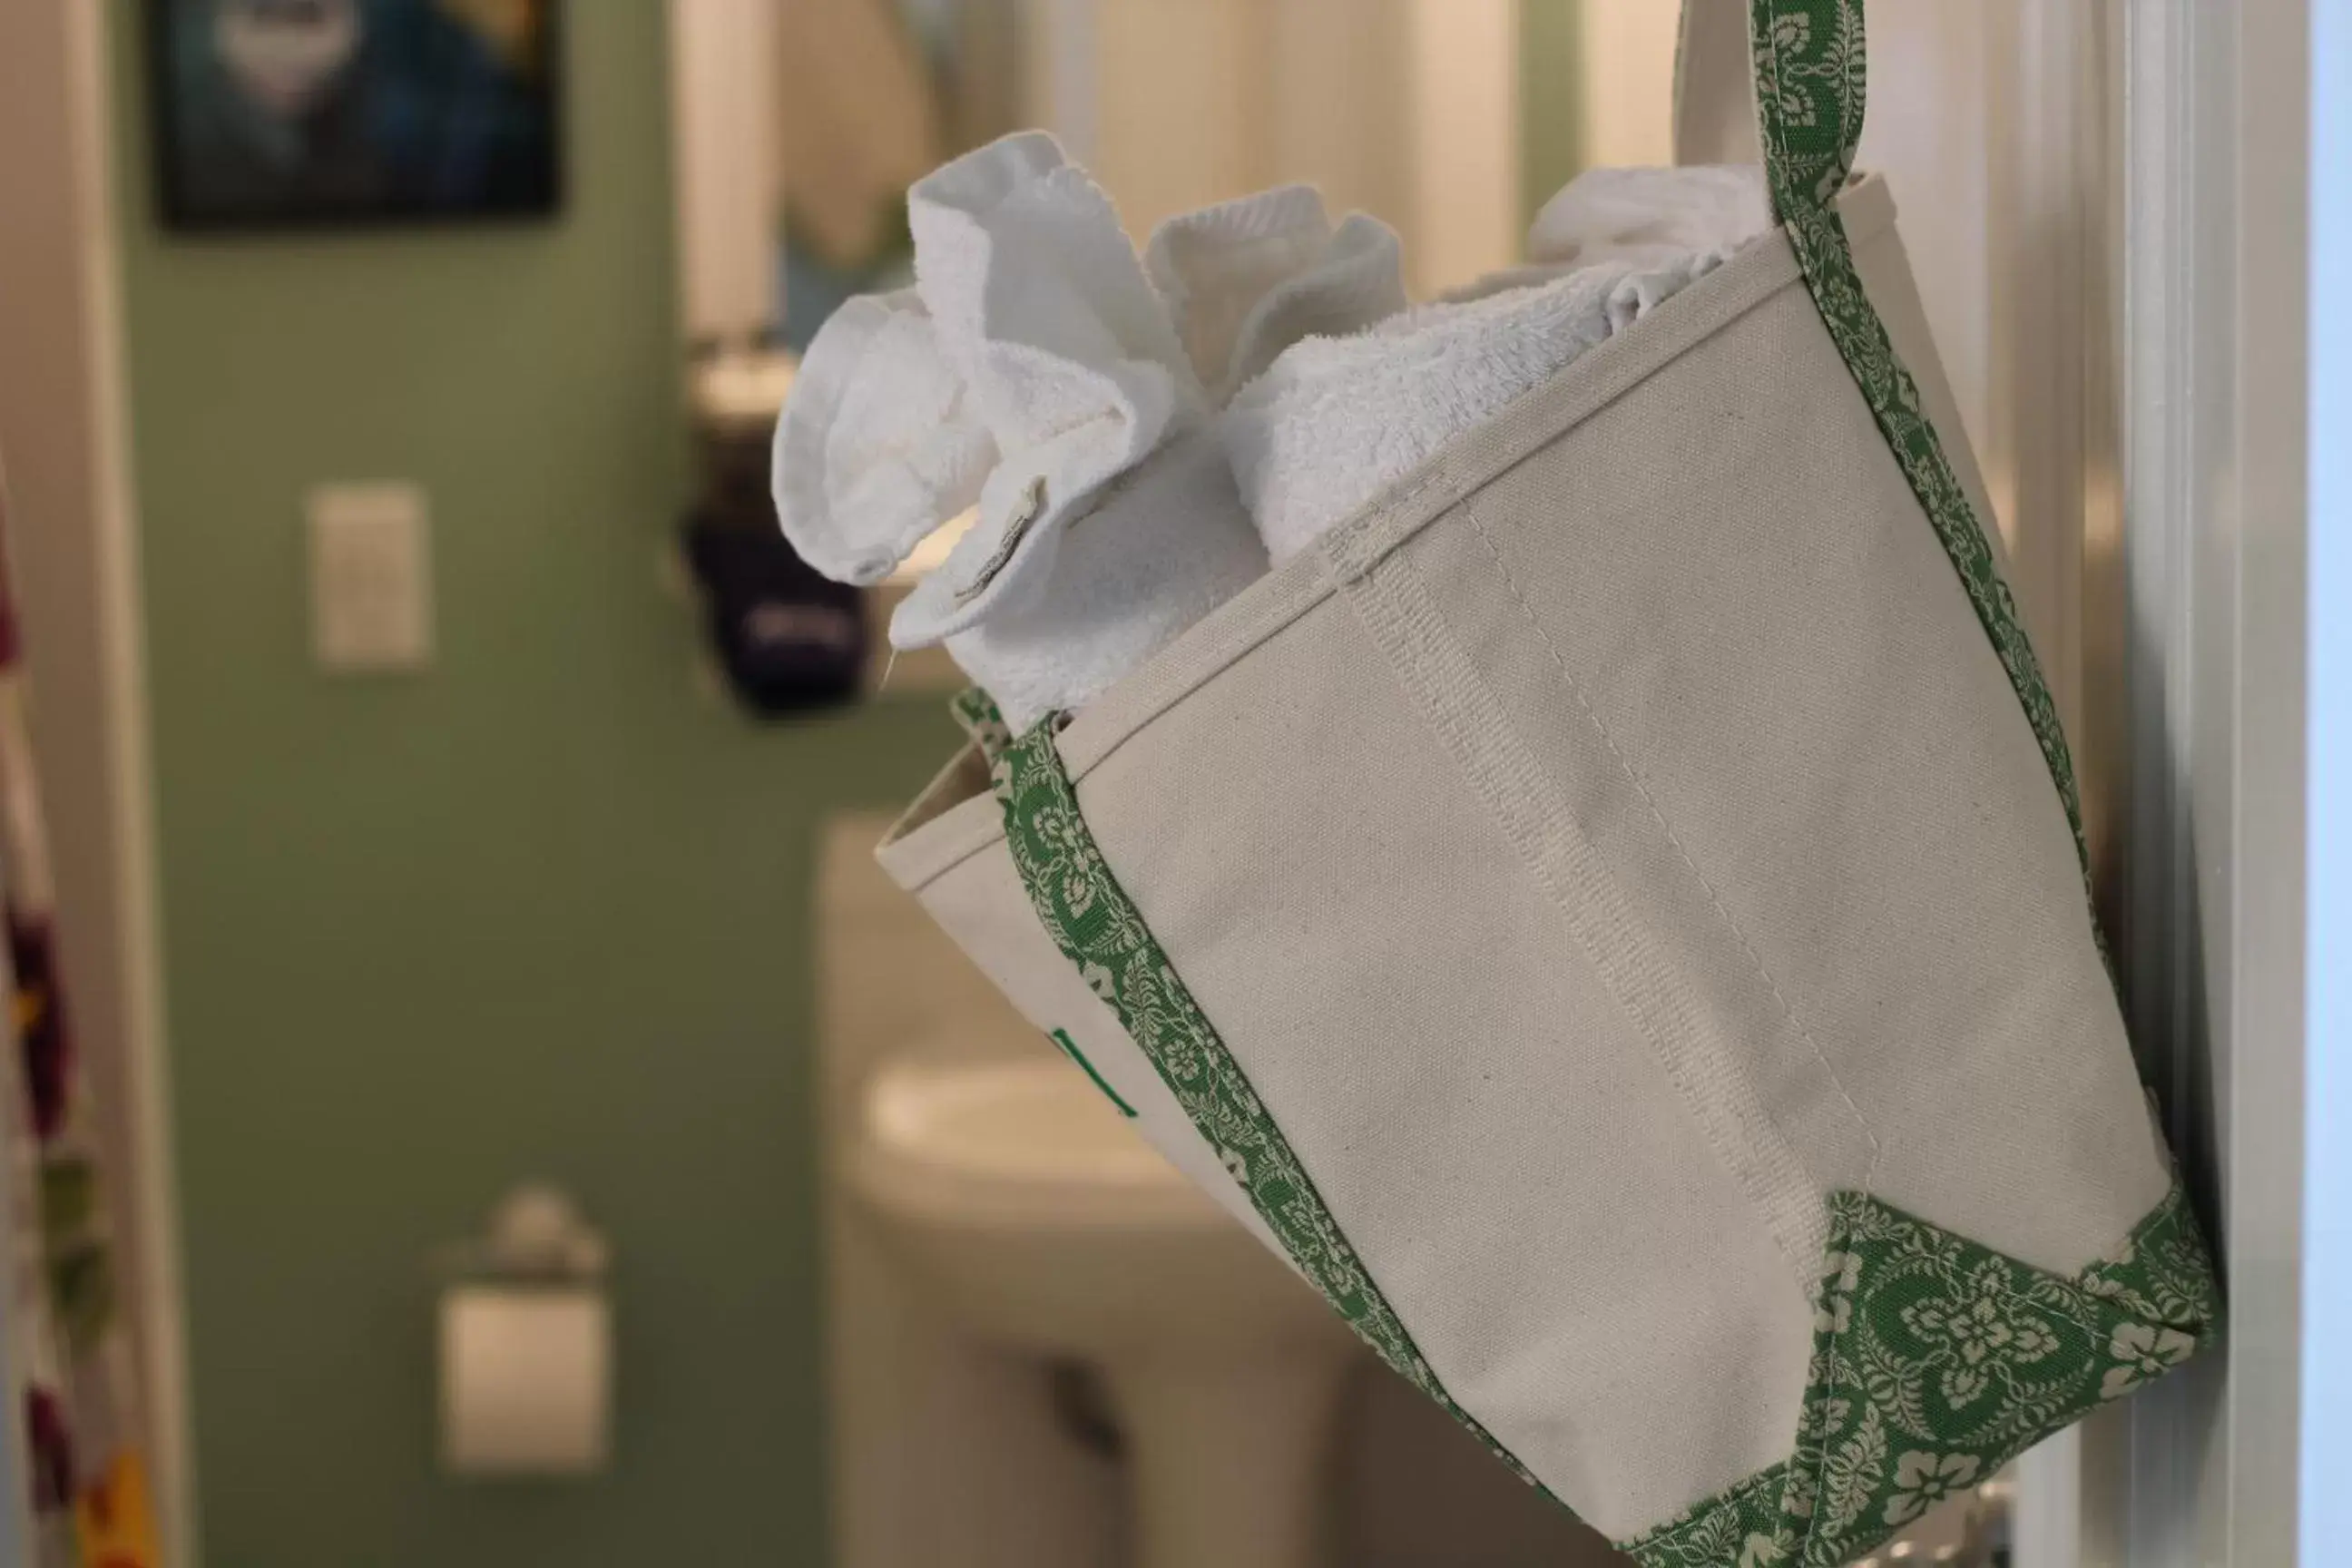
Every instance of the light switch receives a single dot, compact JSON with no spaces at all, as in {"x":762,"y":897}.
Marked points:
{"x":371,"y":577}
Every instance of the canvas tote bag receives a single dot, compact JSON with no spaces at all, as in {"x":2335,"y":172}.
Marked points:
{"x":1614,"y":916}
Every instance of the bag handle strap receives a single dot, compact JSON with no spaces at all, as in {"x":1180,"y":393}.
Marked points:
{"x":1787,"y":77}
{"x":1806,"y":70}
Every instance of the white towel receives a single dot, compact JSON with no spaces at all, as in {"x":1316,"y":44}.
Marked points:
{"x":1161,"y":547}
{"x":1038,"y":370}
{"x":1337,"y":420}
{"x":1246,"y":279}
{"x":879,"y":441}
{"x":1650,"y":214}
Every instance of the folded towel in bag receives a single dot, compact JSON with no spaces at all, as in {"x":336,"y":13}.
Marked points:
{"x":1334,"y":421}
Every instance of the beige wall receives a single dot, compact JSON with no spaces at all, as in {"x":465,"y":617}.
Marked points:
{"x":1629,"y":67}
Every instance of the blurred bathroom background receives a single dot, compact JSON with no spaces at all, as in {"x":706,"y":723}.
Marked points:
{"x":448,"y":794}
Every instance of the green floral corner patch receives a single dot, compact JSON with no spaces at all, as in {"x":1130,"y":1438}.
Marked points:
{"x":1934,"y":1362}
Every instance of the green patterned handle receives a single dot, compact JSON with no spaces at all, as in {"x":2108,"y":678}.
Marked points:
{"x":1809,"y":68}
{"x":1781,"y":83}
{"x":1811,"y":77}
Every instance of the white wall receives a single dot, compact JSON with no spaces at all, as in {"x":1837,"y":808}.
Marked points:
{"x":2327,"y":1507}
{"x":727,"y":157}
{"x":1407,"y":109}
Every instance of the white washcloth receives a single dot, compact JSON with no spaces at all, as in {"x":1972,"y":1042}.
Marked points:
{"x":1119,"y":585}
{"x":878,"y":443}
{"x":1246,"y":279}
{"x":1036,"y":371}
{"x":1337,"y":420}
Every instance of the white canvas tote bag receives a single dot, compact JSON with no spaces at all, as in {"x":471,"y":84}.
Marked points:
{"x":1614,"y":916}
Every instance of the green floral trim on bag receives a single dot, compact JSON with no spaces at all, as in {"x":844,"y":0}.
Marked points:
{"x":1809,"y":79}
{"x":1099,"y":930}
{"x":1737,"y":1528}
{"x":1934,"y":1362}
{"x":975,"y":714}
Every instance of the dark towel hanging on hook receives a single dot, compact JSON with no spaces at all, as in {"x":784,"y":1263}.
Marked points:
{"x":790,"y":640}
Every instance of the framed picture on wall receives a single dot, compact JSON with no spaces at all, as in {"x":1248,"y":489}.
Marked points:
{"x":271,"y":113}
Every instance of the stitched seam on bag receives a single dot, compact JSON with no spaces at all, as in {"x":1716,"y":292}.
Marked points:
{"x":1788,"y":116}
{"x":1082,"y":735}
{"x":1576,"y":693}
{"x":1808,"y":1471}
{"x":1393,"y":606}
{"x":1084,"y":911}
{"x":1136,"y":732}
{"x":918,"y":889}
{"x":1698,"y":1529}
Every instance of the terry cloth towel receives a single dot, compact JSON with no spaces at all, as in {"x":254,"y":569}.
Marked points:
{"x":1650,"y":216}
{"x":1337,"y":420}
{"x":1038,"y":372}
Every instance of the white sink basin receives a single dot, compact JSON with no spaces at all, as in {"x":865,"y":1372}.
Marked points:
{"x":1025,"y":1142}
{"x":1047,"y":1224}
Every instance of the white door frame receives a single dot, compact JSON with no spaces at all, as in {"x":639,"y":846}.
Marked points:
{"x":66,"y":412}
{"x":2207,"y":626}
{"x":2326,"y":1503}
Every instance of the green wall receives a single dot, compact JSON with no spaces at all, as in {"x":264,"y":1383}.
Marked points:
{"x":1551,"y":97}
{"x":542,"y":909}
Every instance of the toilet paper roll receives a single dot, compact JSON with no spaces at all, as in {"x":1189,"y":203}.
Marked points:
{"x":526,"y":1380}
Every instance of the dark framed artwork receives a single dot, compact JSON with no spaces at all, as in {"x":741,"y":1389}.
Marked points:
{"x":278,"y":113}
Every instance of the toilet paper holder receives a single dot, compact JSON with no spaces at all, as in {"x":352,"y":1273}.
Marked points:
{"x":536,"y":1236}
{"x":526,"y":1342}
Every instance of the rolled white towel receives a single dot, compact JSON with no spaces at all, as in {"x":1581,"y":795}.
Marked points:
{"x":1244,"y":279}
{"x":1336,"y":420}
{"x":878,"y":440}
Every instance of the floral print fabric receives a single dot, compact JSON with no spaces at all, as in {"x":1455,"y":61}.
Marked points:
{"x":1934,"y":1362}
{"x":69,"y":1383}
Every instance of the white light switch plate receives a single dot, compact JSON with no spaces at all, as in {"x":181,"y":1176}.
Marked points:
{"x":371,"y":577}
